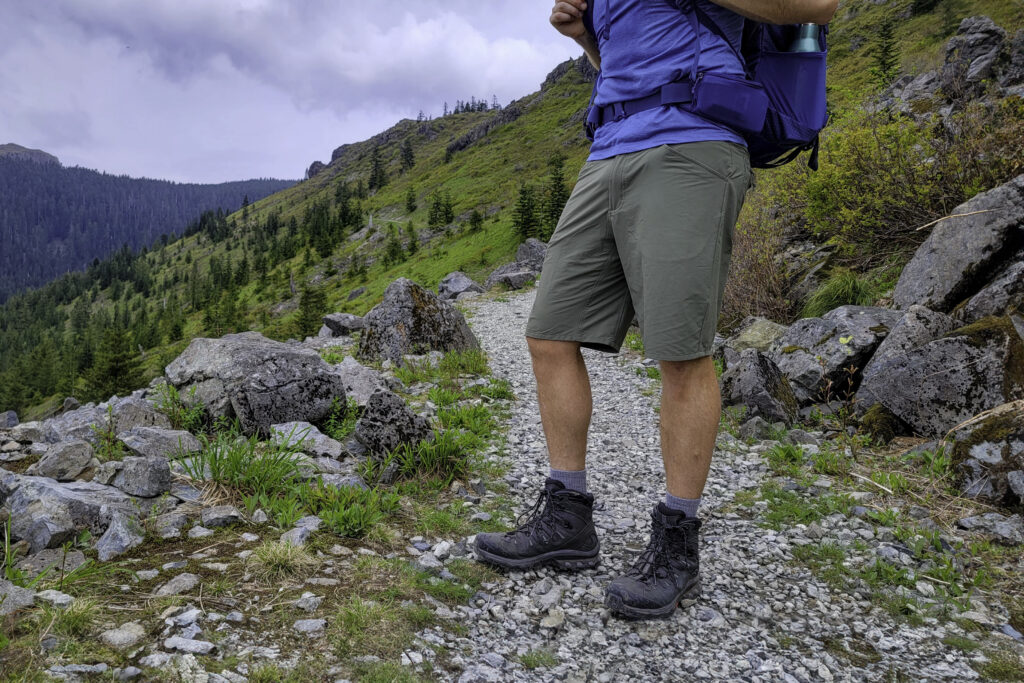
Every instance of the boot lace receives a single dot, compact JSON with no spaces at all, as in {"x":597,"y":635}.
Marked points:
{"x":654,"y":561}
{"x":539,"y":519}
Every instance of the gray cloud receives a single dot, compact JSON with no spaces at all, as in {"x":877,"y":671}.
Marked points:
{"x":201,"y":90}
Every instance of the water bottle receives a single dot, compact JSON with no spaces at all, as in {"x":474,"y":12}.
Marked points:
{"x":807,"y":39}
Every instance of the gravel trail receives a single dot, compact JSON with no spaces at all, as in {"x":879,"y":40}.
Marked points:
{"x":761,"y":617}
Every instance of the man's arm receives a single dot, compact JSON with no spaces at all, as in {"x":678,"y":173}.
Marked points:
{"x":567,"y":18}
{"x":783,"y":11}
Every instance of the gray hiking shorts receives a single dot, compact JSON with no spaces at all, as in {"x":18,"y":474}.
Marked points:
{"x":647,"y":234}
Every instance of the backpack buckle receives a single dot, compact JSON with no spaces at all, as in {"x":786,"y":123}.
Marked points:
{"x":618,"y":110}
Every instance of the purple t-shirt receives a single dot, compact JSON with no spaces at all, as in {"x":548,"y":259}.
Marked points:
{"x":645,"y":44}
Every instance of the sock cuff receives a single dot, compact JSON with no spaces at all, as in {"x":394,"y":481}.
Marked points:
{"x":574,"y":480}
{"x":689,"y":506}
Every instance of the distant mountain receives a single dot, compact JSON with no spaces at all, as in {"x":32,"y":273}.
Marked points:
{"x":55,"y":219}
{"x":13,"y":151}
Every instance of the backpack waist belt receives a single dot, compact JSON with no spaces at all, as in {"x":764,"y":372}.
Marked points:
{"x":677,"y":92}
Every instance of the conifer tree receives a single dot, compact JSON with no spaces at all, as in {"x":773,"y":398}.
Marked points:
{"x":410,"y":200}
{"x":555,"y":196}
{"x":885,"y":55}
{"x":378,"y":176}
{"x":524,"y":219}
{"x":414,"y":238}
{"x":312,"y":309}
{"x":476,"y":221}
{"x":116,"y":367}
{"x":408,"y":156}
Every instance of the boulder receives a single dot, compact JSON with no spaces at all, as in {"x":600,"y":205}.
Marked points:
{"x":454,"y":284}
{"x":28,"y":432}
{"x":145,"y":477}
{"x":153,"y":442}
{"x":411,"y":319}
{"x":917,"y":327}
{"x":123,"y":534}
{"x":356,"y":293}
{"x":259,"y":381}
{"x":949,"y":380}
{"x":756,"y":333}
{"x":305,"y":437}
{"x":77,"y":424}
{"x":956,"y":259}
{"x":755,"y":381}
{"x":342,"y":324}
{"x":169,"y":524}
{"x":511,"y":275}
{"x":971,"y":57}
{"x":1004,"y":292}
{"x":131,"y":412}
{"x":816,"y":354}
{"x":387,"y":423}
{"x":360,"y":382}
{"x":531,"y":254}
{"x":989,"y":454}
{"x":45,"y":513}
{"x":63,"y":461}
{"x":14,"y":598}
{"x":220,"y":515}
{"x":8,"y":419}
{"x":1008,"y":530}
{"x":54,"y":561}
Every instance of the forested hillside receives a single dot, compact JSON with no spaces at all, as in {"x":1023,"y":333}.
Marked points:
{"x":55,"y":219}
{"x":461,"y":191}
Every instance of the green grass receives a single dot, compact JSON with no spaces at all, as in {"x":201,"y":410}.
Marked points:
{"x":539,"y":658}
{"x":843,"y":287}
{"x":785,"y":459}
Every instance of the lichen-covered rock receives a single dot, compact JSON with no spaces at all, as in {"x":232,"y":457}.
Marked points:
{"x":45,"y":513}
{"x":14,"y":598}
{"x":159,"y":442}
{"x":8,"y":419}
{"x":816,"y":354}
{"x":28,"y":432}
{"x":63,"y":461}
{"x":54,"y":560}
{"x":971,"y":57}
{"x":511,"y":275}
{"x":145,"y":477}
{"x":960,"y":253}
{"x":360,"y":382}
{"x":454,"y":284}
{"x":917,"y":327}
{"x":76,"y":424}
{"x":1004,"y":292}
{"x":387,"y":423}
{"x":123,"y":534}
{"x":131,"y":411}
{"x":259,"y":381}
{"x":531,"y":254}
{"x":989,"y":454}
{"x":755,"y":381}
{"x":949,"y":380}
{"x":411,"y":319}
{"x":343,"y":324}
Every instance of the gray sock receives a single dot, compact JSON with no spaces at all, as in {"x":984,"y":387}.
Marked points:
{"x":687,"y":505}
{"x":572,"y":480}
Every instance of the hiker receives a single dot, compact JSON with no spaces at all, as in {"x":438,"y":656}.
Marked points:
{"x":647,"y":231}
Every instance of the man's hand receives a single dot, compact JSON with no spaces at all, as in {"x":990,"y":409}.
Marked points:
{"x":567,"y":18}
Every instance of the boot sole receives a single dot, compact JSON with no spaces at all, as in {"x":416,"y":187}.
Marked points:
{"x":616,"y":604}
{"x":560,"y":559}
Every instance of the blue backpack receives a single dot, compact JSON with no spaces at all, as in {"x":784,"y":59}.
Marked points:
{"x":779,"y":108}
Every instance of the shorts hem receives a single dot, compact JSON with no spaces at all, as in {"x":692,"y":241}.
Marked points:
{"x":597,"y":345}
{"x":678,"y":357}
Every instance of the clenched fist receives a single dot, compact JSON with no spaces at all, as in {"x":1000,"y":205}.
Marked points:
{"x":567,"y":18}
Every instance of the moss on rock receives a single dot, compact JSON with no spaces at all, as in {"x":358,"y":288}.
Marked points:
{"x":881,"y":424}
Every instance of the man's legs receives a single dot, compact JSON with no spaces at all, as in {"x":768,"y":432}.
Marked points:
{"x":690,"y":412}
{"x":563,"y":392}
{"x":561,"y":529}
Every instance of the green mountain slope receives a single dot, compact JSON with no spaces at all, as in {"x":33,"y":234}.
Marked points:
{"x":334,"y":236}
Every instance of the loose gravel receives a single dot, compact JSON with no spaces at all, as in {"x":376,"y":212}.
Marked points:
{"x":762,"y":617}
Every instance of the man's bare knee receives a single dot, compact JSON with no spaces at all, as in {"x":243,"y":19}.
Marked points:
{"x":552,"y":351}
{"x":683,"y":371}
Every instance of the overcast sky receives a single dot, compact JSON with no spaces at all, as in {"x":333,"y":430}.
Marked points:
{"x":217,"y":90}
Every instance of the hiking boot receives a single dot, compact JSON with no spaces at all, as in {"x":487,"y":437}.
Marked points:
{"x":559,"y":530}
{"x":666,"y":572}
